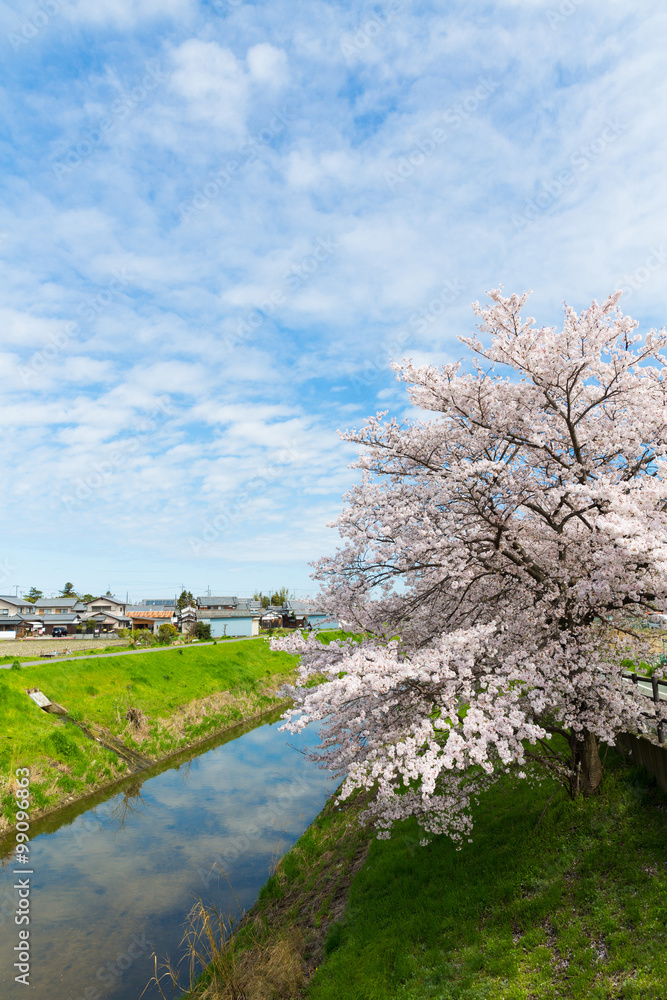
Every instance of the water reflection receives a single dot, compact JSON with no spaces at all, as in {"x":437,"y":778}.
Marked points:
{"x":116,"y":882}
{"x":130,"y":803}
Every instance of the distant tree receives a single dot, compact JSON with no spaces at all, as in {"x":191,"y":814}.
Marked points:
{"x":263,"y":599}
{"x":279,"y":597}
{"x":67,"y":591}
{"x":86,"y":598}
{"x":186,"y":600}
{"x":108,"y":594}
{"x":143,"y":637}
{"x":33,"y":595}
{"x":166,"y":632}
{"x":202,"y":630}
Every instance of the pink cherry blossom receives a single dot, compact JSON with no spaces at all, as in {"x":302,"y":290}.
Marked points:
{"x":497,"y":559}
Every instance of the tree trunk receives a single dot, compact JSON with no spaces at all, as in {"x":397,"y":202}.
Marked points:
{"x":587,"y":775}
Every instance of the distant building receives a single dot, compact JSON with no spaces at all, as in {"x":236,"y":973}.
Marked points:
{"x":14,"y":605}
{"x":106,"y":603}
{"x":271,"y":618}
{"x":234,"y":622}
{"x":217,"y":603}
{"x":151,"y":618}
{"x":227,"y":615}
{"x":58,"y":606}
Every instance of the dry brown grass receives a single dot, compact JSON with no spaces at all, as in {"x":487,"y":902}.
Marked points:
{"x":41,"y":773}
{"x":137,"y":728}
{"x":215,"y":704}
{"x":271,"y":953}
{"x":196,"y":711}
{"x":273,"y":969}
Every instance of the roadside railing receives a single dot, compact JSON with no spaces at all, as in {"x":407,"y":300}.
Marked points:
{"x":653,"y":688}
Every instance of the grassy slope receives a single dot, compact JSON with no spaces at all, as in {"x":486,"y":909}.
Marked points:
{"x":575,"y":910}
{"x":99,"y":692}
{"x":578,"y":909}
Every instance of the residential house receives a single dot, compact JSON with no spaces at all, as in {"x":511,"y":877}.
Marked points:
{"x":233,"y":622}
{"x":44,"y":621}
{"x":271,"y":618}
{"x":106,"y":603}
{"x":301,"y":614}
{"x":187,"y":618}
{"x":107,"y":613}
{"x":217,"y":603}
{"x":151,"y":617}
{"x":12,"y":626}
{"x":59,"y":606}
{"x":248,"y":604}
{"x":106,"y":621}
{"x":13,"y":606}
{"x":19,"y":617}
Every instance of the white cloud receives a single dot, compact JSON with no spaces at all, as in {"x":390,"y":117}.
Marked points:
{"x":185,"y":379}
{"x":268,"y":64}
{"x":212,"y":81}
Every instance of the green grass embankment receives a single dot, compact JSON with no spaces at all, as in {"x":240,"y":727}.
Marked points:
{"x":180,"y":696}
{"x":576,"y":909}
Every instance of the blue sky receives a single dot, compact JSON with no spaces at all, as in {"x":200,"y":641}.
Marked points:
{"x":220,"y":221}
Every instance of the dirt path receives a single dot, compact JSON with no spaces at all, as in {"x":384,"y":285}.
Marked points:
{"x":23,"y":647}
{"x":126,"y":652}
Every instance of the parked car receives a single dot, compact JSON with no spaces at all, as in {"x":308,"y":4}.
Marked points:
{"x":59,"y":631}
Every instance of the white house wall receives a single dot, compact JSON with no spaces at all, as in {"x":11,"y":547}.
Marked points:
{"x":232,"y":626}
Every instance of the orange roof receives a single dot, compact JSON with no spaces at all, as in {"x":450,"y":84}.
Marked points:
{"x":149,"y":614}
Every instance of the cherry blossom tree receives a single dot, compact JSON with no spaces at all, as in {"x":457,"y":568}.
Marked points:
{"x":497,"y":559}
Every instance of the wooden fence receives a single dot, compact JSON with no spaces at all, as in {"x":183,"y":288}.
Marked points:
{"x":652,"y":756}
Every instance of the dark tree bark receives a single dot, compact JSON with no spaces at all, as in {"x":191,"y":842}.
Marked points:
{"x":587,"y":766}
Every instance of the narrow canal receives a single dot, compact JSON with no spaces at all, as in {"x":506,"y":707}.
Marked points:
{"x":115,"y":883}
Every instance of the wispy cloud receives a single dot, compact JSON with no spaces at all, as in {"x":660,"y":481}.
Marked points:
{"x":221,"y":221}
